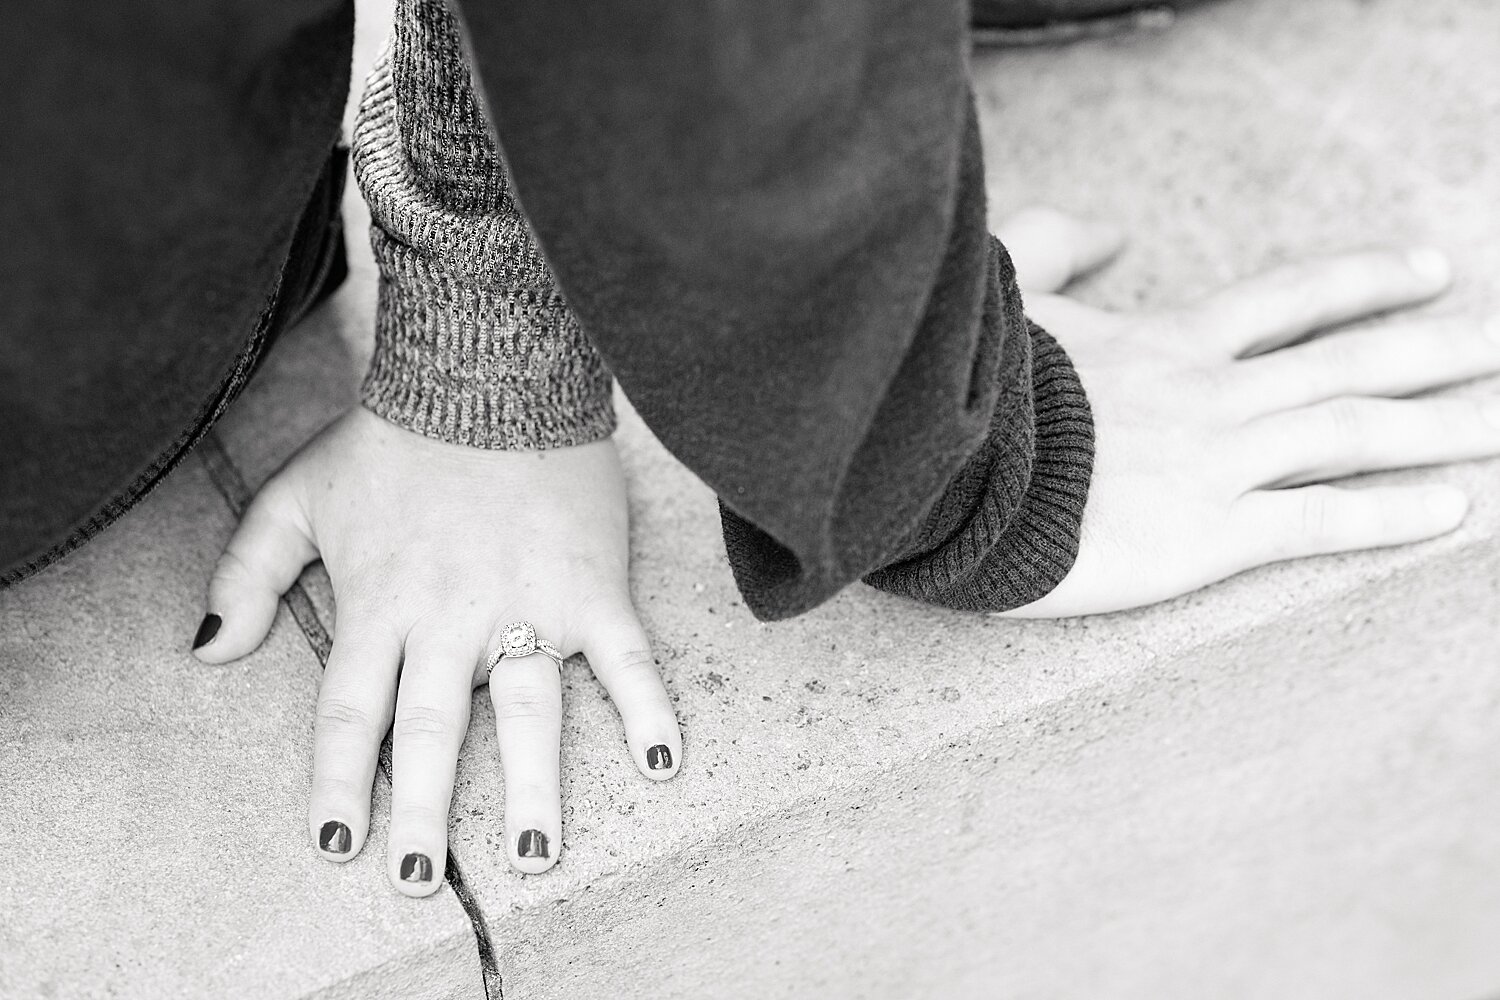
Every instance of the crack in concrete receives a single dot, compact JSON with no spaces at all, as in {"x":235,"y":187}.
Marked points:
{"x":226,"y":478}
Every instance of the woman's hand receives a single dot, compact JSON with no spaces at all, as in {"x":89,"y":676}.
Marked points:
{"x":1212,"y":420}
{"x":433,"y":549}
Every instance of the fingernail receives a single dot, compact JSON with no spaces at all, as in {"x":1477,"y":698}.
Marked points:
{"x":416,"y":868}
{"x":335,"y":838}
{"x":1430,"y":263}
{"x":659,"y":757}
{"x":207,"y":631}
{"x":1446,"y":503}
{"x":531,"y":844}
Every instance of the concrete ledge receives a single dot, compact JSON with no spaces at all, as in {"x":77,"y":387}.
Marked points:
{"x":1300,"y":809}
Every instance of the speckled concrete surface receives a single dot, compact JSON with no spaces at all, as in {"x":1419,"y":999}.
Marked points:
{"x":152,"y":809}
{"x":1216,"y":824}
{"x":1278,"y":787}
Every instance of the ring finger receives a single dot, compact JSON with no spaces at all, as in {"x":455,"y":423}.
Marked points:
{"x":1285,"y":304}
{"x":527,"y":694}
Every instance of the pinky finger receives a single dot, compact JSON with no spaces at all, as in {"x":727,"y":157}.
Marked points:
{"x":620,"y":655}
{"x":1318,"y":520}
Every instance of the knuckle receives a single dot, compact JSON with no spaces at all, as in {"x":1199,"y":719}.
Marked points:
{"x":633,"y":678}
{"x":426,"y":723}
{"x":525,"y":704}
{"x":634,"y":666}
{"x":1317,"y":516}
{"x":337,"y":788}
{"x":232,"y":570}
{"x":1344,"y":420}
{"x":411,"y":811}
{"x":336,"y":713}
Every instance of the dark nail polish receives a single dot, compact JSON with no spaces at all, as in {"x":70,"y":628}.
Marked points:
{"x":532,"y":844}
{"x":207,"y":631}
{"x":335,"y":838}
{"x":416,"y":868}
{"x":659,"y":757}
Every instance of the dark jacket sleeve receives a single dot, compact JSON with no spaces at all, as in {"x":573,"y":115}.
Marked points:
{"x":1005,"y":529}
{"x":770,"y":220}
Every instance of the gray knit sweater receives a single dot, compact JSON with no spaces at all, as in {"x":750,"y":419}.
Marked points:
{"x":473,"y":343}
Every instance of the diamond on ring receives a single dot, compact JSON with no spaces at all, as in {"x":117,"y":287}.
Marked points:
{"x":519,"y":639}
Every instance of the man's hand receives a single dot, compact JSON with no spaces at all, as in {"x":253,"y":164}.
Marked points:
{"x":1214,"y":421}
{"x":432,"y":549}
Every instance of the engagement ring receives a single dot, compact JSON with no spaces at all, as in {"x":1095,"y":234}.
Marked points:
{"x":519,"y":639}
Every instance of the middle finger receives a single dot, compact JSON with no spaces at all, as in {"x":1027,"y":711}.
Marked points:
{"x":432,"y":716}
{"x":1286,"y":304}
{"x":354,"y":712}
{"x":1396,"y":359}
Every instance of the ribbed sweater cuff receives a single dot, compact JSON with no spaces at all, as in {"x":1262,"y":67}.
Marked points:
{"x":1016,"y":508}
{"x":1040,"y":543}
{"x":473,"y":342}
{"x":488,"y":367}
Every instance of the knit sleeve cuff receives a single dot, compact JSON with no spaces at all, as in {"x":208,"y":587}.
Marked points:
{"x":469,"y":364}
{"x":1040,"y":543}
{"x":474,"y":344}
{"x":1006,"y":532}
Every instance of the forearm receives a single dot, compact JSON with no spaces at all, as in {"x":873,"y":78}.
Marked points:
{"x":473,"y":342}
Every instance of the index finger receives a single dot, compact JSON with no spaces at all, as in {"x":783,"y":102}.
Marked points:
{"x":1287,"y":303}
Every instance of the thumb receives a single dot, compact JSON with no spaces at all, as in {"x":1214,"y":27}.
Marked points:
{"x":262,"y":560}
{"x":1051,"y":248}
